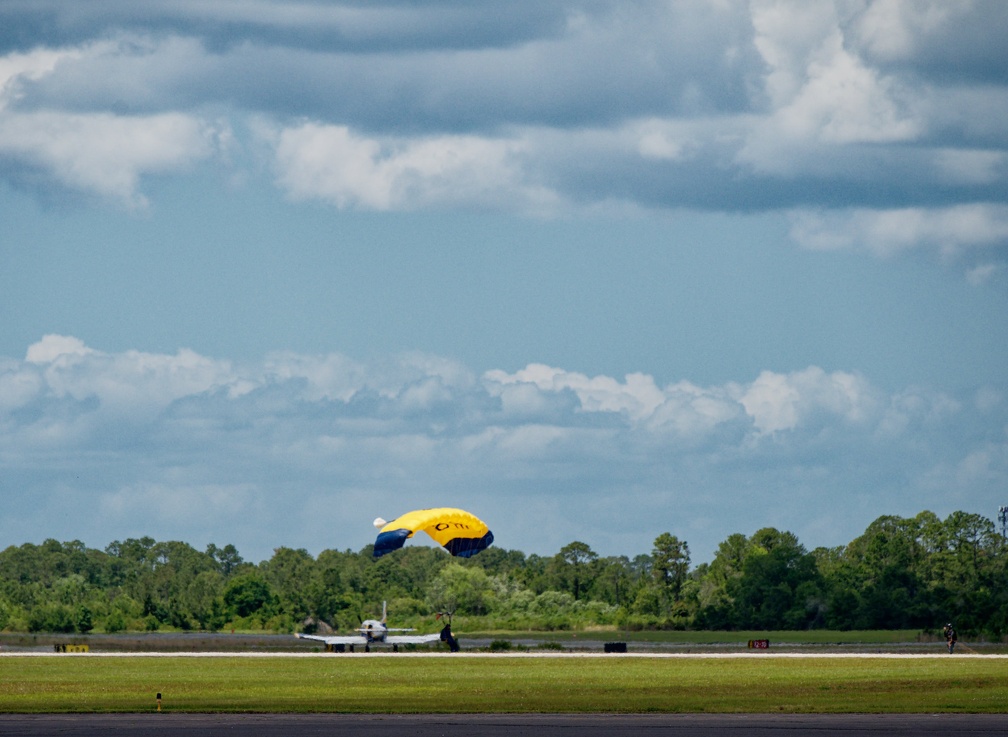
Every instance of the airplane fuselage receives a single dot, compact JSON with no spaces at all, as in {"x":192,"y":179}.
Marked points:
{"x":374,"y":630}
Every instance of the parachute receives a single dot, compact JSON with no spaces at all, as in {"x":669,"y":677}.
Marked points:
{"x":459,"y":532}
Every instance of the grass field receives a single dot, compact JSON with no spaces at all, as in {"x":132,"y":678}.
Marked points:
{"x":368,"y":684}
{"x":709,"y":637}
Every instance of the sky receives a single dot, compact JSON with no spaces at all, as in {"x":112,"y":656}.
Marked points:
{"x":593,"y":270}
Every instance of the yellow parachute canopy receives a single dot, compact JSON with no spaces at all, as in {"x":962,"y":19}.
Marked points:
{"x":459,"y":532}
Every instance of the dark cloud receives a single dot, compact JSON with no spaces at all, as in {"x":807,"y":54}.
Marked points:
{"x":703,"y":106}
{"x":360,"y":27}
{"x":944,"y":43}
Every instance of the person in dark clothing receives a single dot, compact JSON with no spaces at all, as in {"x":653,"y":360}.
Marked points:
{"x":950,"y":637}
{"x":447,"y":637}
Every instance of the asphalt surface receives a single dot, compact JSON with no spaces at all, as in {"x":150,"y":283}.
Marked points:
{"x":498,"y":725}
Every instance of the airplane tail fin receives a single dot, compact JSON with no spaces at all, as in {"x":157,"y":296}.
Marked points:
{"x":383,"y":611}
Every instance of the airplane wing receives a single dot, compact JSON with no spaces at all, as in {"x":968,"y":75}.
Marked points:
{"x":411,"y":639}
{"x":336,"y":639}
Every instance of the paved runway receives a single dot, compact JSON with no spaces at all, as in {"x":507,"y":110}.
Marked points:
{"x":499,"y":725}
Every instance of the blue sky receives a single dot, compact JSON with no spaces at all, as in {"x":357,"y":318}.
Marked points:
{"x":591,"y":270}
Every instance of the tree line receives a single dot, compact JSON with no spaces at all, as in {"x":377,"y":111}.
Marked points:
{"x":901,"y":573}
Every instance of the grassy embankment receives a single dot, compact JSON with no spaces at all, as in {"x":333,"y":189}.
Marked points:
{"x":713,"y":637}
{"x":365,"y":684}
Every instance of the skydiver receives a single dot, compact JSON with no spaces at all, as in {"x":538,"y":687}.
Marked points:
{"x":950,"y":637}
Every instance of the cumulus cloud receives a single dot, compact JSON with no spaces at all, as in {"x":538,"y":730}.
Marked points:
{"x":779,"y":402}
{"x":773,"y":402}
{"x":821,"y":97}
{"x":103,"y":153}
{"x":128,"y":438}
{"x":334,"y":164}
{"x":130,"y":385}
{"x":134,"y":385}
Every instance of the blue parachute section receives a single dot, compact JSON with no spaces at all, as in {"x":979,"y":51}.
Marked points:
{"x":389,"y":541}
{"x":466,"y":547}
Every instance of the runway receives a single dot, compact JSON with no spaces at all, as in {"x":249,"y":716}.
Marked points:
{"x":504,"y":725}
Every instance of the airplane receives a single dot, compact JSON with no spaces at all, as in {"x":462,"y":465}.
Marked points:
{"x":376,"y":632}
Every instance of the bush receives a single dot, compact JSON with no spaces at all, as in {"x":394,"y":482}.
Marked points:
{"x":55,"y":618}
{"x":115,"y":622}
{"x":83,"y":620}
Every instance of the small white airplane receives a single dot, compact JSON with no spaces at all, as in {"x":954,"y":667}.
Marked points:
{"x":375,"y":632}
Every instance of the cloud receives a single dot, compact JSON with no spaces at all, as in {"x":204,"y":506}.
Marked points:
{"x":99,"y":152}
{"x":332,"y":163}
{"x":132,"y":386}
{"x":103,"y":153}
{"x":820,"y":96}
{"x":716,"y":106}
{"x":326,"y":25}
{"x":949,"y":231}
{"x":141,"y":387}
{"x":190,"y":447}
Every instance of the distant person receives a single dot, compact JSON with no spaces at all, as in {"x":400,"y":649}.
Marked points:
{"x":446,"y":636}
{"x":950,"y":637}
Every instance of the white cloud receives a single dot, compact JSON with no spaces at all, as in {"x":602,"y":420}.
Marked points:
{"x":637,"y":397}
{"x":134,"y":442}
{"x":691,"y":412}
{"x":950,"y":230}
{"x":17,"y":68}
{"x":774,"y":402}
{"x":778,"y":402}
{"x":18,"y":386}
{"x":332,"y":163}
{"x":820,"y":94}
{"x":131,"y":384}
{"x":894,"y":30}
{"x":53,"y":348}
{"x":97,"y":152}
{"x":103,"y":153}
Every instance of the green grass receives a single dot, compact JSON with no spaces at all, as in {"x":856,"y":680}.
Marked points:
{"x":503,"y":684}
{"x":709,"y":637}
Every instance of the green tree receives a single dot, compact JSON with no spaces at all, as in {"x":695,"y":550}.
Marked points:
{"x":670,"y":565}
{"x":247,"y":594}
{"x":779,"y":586}
{"x":82,"y":619}
{"x":887,"y":559}
{"x":290,"y":573}
{"x":716,"y":603}
{"x":460,"y":589}
{"x":575,"y":567}
{"x":227,"y":559}
{"x":615,"y":580}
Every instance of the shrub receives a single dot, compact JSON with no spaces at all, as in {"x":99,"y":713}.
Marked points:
{"x":55,"y":618}
{"x":115,"y":622}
